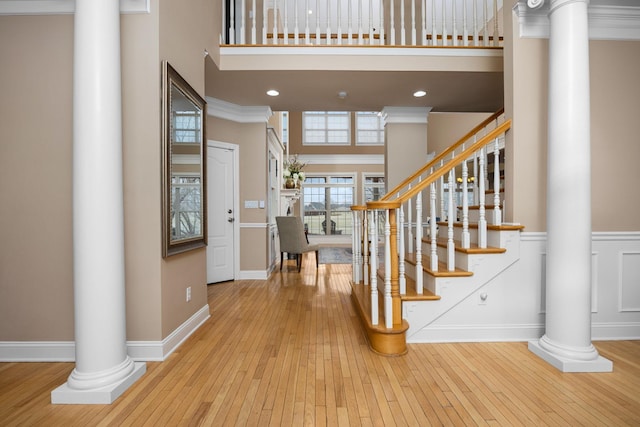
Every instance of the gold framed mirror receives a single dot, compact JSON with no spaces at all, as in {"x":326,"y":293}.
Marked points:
{"x":184,"y":219}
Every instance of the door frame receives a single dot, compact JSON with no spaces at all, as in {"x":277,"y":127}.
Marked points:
{"x":235,"y":153}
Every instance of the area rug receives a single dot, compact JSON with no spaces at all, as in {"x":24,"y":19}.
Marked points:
{"x":334,"y":255}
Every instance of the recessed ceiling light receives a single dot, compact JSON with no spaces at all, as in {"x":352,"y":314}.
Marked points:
{"x":342,"y":94}
{"x":419,"y":93}
{"x":273,"y":92}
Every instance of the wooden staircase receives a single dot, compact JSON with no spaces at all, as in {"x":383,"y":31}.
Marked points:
{"x":408,"y":291}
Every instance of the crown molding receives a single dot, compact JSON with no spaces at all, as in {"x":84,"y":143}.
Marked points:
{"x":405,"y":114}
{"x":63,"y":7}
{"x":342,"y":159}
{"x":237,"y":113}
{"x":606,"y":21}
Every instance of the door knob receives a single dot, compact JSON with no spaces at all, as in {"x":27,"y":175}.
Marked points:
{"x":230,"y":219}
{"x":229,"y":211}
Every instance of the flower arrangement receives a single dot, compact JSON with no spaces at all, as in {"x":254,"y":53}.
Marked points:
{"x":293,"y":169}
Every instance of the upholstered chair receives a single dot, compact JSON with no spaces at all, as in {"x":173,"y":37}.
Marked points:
{"x":293,"y":239}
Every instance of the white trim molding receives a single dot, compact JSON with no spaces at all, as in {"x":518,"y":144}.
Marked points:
{"x":139,"y":351}
{"x":237,"y":113}
{"x":63,"y":7}
{"x":417,"y":115}
{"x":342,"y":159}
{"x":606,"y":21}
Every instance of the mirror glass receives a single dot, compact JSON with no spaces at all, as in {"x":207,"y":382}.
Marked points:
{"x":184,"y":195}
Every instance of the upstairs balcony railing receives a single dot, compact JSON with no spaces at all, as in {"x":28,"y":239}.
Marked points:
{"x":449,"y":23}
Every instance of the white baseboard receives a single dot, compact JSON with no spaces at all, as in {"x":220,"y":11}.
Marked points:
{"x":253,"y":275}
{"x":517,"y":333}
{"x":139,"y":351}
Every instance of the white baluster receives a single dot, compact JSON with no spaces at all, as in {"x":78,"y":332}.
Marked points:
{"x":264,"y":22}
{"x":402,"y":280}
{"x":496,"y":33}
{"x":419,"y":278}
{"x":451,"y":254}
{"x":476,"y":194}
{"x":466,"y":237}
{"x":443,"y":212}
{"x":482,"y":221}
{"x":339,"y":12}
{"x":285,"y":29}
{"x":388,"y":301}
{"x":373,"y":261}
{"x":307,"y":30}
{"x":243,"y":23}
{"x":355,"y":247}
{"x":253,"y":22}
{"x":423,"y":14}
{"x":365,"y":247}
{"x":485,"y":30}
{"x":318,"y":38}
{"x":454,"y":23}
{"x":403,"y":39}
{"x":232,"y":23}
{"x":414,"y":35}
{"x":392,"y":24}
{"x":370,"y":22}
{"x":381,"y":24}
{"x":434,"y":28}
{"x":409,"y":226}
{"x":360,"y":41}
{"x":497,"y":214}
{"x":328,"y":33}
{"x":445,"y":41}
{"x":465,"y":28}
{"x":349,"y":24}
{"x":275,"y":23}
{"x":434,"y":228}
{"x":296,"y":28}
{"x":476,"y":41}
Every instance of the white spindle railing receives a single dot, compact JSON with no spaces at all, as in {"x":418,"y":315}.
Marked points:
{"x":439,"y":22}
{"x":408,"y":197}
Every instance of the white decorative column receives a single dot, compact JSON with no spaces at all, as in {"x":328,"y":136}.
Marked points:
{"x":566,"y":343}
{"x":103,"y":369}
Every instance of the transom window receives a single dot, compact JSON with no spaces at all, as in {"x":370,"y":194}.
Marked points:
{"x":369,"y":128}
{"x":327,"y":202}
{"x":326,"y":128}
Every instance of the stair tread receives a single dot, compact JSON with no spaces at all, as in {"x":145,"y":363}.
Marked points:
{"x":473,"y":249}
{"x":442,"y":267}
{"x":474,"y":225}
{"x":412,"y":295}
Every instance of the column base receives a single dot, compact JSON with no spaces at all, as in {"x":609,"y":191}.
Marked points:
{"x":98,"y":396}
{"x":600,"y":364}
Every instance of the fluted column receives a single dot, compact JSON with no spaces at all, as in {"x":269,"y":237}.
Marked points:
{"x":103,"y":369}
{"x":566,"y":343}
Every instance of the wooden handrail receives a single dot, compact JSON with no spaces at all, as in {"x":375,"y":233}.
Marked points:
{"x":455,"y":161}
{"x":442,"y":155}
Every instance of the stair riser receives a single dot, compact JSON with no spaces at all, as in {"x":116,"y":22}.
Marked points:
{"x":490,"y":217}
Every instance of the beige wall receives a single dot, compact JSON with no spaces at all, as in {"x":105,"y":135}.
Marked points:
{"x":36,"y":261}
{"x":446,"y":128}
{"x":405,"y":150}
{"x":251,"y":139}
{"x":36,"y":279}
{"x":185,"y":34}
{"x":615,"y":135}
{"x":614,"y":131}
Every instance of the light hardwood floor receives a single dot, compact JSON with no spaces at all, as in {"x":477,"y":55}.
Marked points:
{"x":290,"y":352}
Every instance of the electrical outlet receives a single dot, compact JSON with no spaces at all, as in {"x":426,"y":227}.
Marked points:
{"x":189,"y":294}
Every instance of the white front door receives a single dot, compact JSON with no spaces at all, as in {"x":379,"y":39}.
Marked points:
{"x":221,"y":213}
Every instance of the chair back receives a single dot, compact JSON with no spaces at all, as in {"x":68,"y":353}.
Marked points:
{"x":291,"y":232}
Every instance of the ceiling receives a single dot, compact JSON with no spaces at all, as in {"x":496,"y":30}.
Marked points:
{"x":312,"y":90}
